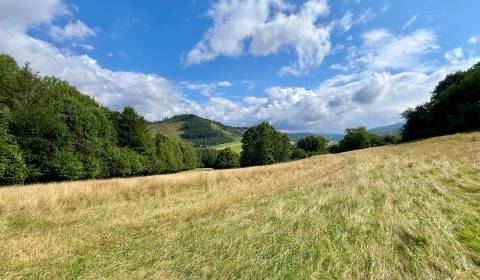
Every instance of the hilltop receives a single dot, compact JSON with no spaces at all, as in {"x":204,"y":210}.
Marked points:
{"x":407,"y":211}
{"x":197,"y":130}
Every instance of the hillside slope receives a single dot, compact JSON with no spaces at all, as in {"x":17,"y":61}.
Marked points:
{"x":389,"y":129}
{"x":199,"y":131}
{"x":394,"y":212}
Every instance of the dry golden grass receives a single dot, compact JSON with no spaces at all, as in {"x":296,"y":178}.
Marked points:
{"x":396,"y":212}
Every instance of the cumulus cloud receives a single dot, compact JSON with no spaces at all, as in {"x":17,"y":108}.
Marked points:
{"x":269,"y":26}
{"x":384,"y":50}
{"x":20,"y":15}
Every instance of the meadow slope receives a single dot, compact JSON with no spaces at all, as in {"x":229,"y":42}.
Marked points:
{"x":406,"y":211}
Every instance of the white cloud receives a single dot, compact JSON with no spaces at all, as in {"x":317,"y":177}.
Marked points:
{"x":346,"y":22}
{"x":252,"y":100}
{"x":19,"y":15}
{"x":73,"y":30}
{"x":410,"y":22}
{"x":384,"y":50}
{"x":474,"y":40}
{"x":454,"y":56}
{"x":206,"y":89}
{"x":366,"y":16}
{"x":269,"y":26}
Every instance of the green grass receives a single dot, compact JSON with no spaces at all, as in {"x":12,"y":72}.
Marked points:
{"x":236,"y":146}
{"x":398,"y":212}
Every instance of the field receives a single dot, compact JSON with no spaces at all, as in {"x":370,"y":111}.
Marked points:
{"x":394,"y":212}
{"x":236,"y":146}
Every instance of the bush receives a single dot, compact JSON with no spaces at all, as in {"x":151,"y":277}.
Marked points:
{"x":391,"y":139}
{"x":227,"y":158}
{"x":299,"y":154}
{"x":334,"y":148}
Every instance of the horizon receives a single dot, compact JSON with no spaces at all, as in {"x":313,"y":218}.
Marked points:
{"x":312,"y":66}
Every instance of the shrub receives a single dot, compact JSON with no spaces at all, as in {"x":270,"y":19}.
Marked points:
{"x":227,"y":158}
{"x":299,"y":154}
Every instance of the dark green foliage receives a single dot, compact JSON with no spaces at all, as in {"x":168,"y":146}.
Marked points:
{"x":263,"y":144}
{"x":132,"y":131}
{"x":189,"y":155}
{"x":334,"y":148}
{"x":391,"y":139}
{"x":66,"y":166}
{"x":299,"y":154}
{"x":173,"y":155}
{"x":50,"y":131}
{"x":356,"y":138}
{"x":227,"y":158}
{"x":12,"y":166}
{"x":207,"y":157}
{"x":313,"y":144}
{"x":360,"y":138}
{"x":453,"y":107}
{"x":377,"y":140}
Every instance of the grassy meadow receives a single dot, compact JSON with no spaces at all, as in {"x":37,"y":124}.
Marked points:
{"x":393,"y":212}
{"x":236,"y":146}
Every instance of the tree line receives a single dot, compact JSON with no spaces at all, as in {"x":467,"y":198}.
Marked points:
{"x":453,"y":107}
{"x":50,"y":131}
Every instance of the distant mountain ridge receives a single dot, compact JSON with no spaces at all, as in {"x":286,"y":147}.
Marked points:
{"x":389,"y":129}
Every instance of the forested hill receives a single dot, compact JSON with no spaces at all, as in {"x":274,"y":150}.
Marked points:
{"x":199,"y":131}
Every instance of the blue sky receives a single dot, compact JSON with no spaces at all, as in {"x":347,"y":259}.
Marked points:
{"x":315,"y":65}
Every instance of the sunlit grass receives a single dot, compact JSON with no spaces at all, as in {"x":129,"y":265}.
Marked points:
{"x":236,"y":146}
{"x":395,"y":212}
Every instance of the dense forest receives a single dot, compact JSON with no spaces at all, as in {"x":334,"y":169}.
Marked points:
{"x":50,"y":131}
{"x":454,"y":107}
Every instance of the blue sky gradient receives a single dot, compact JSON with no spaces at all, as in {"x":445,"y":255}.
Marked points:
{"x":349,"y":63}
